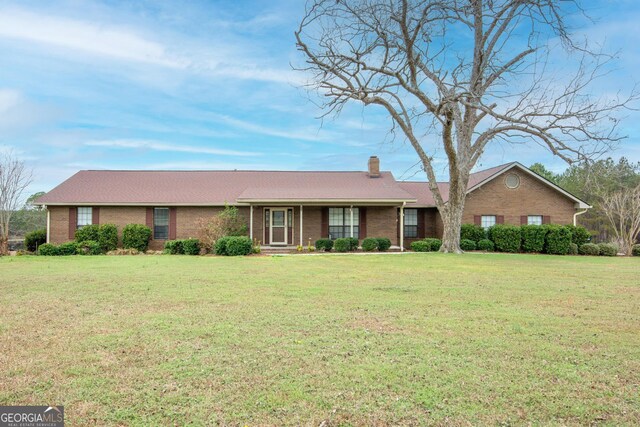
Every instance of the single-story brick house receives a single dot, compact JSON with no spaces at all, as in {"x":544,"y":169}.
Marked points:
{"x":288,"y":208}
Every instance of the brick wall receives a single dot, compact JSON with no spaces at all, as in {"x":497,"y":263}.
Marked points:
{"x":532,"y":197}
{"x":59,"y":224}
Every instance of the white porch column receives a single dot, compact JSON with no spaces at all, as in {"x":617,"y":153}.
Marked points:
{"x":351,"y":226}
{"x":402,"y":227}
{"x":301,"y":239}
{"x":251,"y":222}
{"x":48,"y":223}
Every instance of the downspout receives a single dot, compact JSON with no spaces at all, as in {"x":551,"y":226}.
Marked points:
{"x":48,"y":222}
{"x":251,"y":222}
{"x":402,"y":226}
{"x":575,"y":216}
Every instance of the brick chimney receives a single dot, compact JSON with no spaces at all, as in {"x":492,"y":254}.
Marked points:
{"x":374,"y":167}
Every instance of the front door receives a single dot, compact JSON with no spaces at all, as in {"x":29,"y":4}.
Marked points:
{"x":278,"y":229}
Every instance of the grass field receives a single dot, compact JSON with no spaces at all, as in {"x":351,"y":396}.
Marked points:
{"x":417,"y":339}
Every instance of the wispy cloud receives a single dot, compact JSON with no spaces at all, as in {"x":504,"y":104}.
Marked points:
{"x":113,"y":42}
{"x":303,"y":135}
{"x":161,"y":146}
{"x":88,"y":37}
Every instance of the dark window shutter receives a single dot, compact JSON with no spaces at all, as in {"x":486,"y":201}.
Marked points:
{"x":398,"y":225}
{"x":500,"y":219}
{"x":324,"y":223}
{"x":363,"y":223}
{"x":172,"y":223}
{"x":421,"y":224}
{"x":73,"y":222}
{"x":477,"y":220}
{"x":290,"y":226}
{"x":546,"y":219}
{"x":523,"y":220}
{"x":95,"y":215}
{"x":267,"y":224}
{"x":150,"y":220}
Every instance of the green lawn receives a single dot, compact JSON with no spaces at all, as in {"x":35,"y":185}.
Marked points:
{"x":416,"y":339}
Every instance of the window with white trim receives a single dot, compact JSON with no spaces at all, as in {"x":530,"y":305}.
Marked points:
{"x":85,"y":216}
{"x":411,"y":223}
{"x":160,"y":223}
{"x":534,"y":219}
{"x":340,"y":223}
{"x":487,"y":221}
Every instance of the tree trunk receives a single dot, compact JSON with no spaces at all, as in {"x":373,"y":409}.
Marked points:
{"x":451,"y":215}
{"x":4,"y":246}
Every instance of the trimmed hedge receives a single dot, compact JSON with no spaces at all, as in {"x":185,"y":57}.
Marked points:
{"x":420,"y":246}
{"x":68,"y":248}
{"x":573,"y":249}
{"x":220,"y":246}
{"x":239,"y":245}
{"x":635,"y":251}
{"x":485,"y":245}
{"x":47,"y":249}
{"x":353,"y":243}
{"x":557,"y":240}
{"x":434,"y":243}
{"x":136,"y":236}
{"x":89,"y":247}
{"x":192,"y":246}
{"x":467,"y":245}
{"x":472,"y":232}
{"x":383,"y":244}
{"x":88,"y":232}
{"x":579,"y":235}
{"x":426,"y":245}
{"x":533,"y":237}
{"x":34,"y":239}
{"x":608,"y":249}
{"x":589,"y":249}
{"x":108,"y":237}
{"x":233,"y":246}
{"x":342,"y":244}
{"x":173,"y":247}
{"x":324,"y":245}
{"x":506,"y":238}
{"x":369,"y":244}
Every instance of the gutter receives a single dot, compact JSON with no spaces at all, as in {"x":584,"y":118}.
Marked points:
{"x":575,"y":216}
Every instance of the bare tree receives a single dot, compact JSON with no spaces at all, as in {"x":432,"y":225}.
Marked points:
{"x":622,"y":209}
{"x":457,"y":75}
{"x":14,"y":179}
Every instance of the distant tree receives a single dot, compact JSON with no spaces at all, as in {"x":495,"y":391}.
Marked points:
{"x":456,"y":76}
{"x":622,"y":209}
{"x":15,"y":177}
{"x":29,"y":218}
{"x":592,"y":182}
{"x":541,"y":170}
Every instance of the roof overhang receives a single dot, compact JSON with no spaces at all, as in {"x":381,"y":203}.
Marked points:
{"x":323,"y":201}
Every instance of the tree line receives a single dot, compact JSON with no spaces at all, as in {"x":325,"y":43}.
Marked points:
{"x":612,"y":188}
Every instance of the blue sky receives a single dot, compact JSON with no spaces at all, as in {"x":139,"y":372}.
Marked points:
{"x":207,"y":85}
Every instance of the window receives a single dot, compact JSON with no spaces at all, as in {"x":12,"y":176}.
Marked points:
{"x":85,"y":217}
{"x":488,"y":221}
{"x":534,"y":219}
{"x":512,"y":181}
{"x":278,"y":218}
{"x":340,"y":223}
{"x":161,"y":223}
{"x":411,"y":223}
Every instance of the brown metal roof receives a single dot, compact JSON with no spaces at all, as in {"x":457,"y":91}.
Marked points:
{"x":104,"y":187}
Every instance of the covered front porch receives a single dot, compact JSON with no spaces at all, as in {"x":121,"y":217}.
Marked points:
{"x":287,"y":225}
